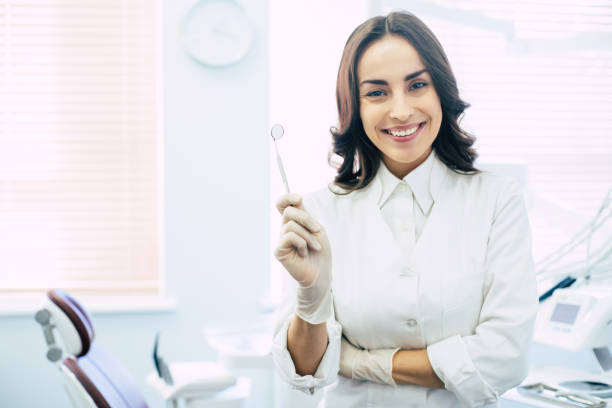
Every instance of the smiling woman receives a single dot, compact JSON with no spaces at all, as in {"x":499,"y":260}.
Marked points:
{"x":396,"y":66}
{"x":429,"y":298}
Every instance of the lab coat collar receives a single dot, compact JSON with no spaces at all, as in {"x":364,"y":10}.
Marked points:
{"x":423,"y":181}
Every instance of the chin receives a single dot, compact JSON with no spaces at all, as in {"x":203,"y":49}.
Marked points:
{"x":408,"y":159}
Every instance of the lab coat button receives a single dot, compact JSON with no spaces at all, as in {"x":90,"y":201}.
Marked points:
{"x":411,"y":322}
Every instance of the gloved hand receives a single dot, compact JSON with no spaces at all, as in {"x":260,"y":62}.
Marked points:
{"x":368,"y":365}
{"x":305,"y":252}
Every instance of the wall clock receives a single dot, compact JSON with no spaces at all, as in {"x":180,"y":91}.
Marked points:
{"x":217,"y":32}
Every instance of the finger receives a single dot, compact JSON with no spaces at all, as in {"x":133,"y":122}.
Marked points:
{"x":302,"y":218}
{"x":290,"y":199}
{"x":292,"y":240}
{"x":293,"y":226}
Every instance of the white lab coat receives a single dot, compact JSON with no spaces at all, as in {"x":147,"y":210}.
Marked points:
{"x":467,"y":293}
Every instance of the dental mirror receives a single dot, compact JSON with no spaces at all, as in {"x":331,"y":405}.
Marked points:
{"x":277,"y":132}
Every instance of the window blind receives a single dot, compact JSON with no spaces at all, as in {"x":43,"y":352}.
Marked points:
{"x":79,"y":137}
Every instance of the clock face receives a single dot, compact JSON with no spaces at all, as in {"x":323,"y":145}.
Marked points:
{"x":217,"y":32}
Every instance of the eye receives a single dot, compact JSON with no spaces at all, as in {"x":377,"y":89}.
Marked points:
{"x":375,"y":93}
{"x":418,"y":85}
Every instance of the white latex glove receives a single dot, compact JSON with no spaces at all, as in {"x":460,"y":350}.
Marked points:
{"x":368,"y":365}
{"x":305,"y":252}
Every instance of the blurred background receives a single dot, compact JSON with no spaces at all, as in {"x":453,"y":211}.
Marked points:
{"x":137,"y":170}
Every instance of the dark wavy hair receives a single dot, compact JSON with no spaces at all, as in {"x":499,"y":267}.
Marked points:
{"x":360,"y":157}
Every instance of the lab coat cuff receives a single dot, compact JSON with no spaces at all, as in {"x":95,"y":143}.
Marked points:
{"x":326,"y":372}
{"x":452,"y":363}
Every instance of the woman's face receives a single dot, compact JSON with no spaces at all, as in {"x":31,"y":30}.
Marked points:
{"x":399,"y":107}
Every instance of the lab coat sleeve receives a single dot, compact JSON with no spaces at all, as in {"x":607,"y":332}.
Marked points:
{"x":328,"y":368}
{"x":478,"y":368}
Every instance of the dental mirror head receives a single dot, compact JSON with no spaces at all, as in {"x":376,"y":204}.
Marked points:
{"x":277,"y":131}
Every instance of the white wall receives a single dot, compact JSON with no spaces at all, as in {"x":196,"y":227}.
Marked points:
{"x":216,"y":216}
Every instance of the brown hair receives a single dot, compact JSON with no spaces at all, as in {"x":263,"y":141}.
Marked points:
{"x":453,"y":145}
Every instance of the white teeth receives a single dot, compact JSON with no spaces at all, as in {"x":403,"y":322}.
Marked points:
{"x":403,"y":132}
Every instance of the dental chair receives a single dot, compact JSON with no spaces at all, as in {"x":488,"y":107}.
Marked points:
{"x":93,"y":378}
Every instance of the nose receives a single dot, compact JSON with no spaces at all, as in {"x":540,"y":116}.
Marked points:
{"x":401,"y":108}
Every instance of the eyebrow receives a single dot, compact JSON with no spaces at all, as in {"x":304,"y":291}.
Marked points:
{"x":383,"y":82}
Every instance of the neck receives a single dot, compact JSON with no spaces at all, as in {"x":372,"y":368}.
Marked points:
{"x":400,"y":170}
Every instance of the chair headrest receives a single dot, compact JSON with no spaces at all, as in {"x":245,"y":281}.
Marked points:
{"x":72,"y":322}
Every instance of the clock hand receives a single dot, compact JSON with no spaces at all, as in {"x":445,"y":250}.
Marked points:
{"x":225,"y":33}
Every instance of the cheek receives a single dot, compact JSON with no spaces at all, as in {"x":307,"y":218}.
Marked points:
{"x":368,"y":118}
{"x":437,"y":118}
{"x":438,"y":109}
{"x":435,"y":112}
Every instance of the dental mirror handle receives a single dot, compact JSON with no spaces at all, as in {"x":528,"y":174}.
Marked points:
{"x":282,"y":169}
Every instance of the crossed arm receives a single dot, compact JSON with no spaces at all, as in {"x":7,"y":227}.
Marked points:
{"x":413,"y":367}
{"x":307,"y":344}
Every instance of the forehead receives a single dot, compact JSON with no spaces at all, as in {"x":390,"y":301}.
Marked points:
{"x":388,"y":58}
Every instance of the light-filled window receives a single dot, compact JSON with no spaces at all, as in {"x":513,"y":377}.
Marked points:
{"x":80,"y":162}
{"x":538,"y":76}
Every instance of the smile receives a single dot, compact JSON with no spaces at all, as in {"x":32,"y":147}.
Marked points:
{"x":404,"y":133}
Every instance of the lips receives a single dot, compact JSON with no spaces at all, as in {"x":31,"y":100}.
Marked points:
{"x":403,"y":128}
{"x":405,"y":133}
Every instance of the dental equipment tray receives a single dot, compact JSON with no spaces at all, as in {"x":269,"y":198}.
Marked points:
{"x":559,"y":396}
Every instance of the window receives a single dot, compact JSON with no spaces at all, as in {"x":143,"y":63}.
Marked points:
{"x":80,"y":162}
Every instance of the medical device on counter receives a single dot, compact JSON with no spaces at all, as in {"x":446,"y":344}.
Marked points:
{"x":575,"y":319}
{"x":558,"y":396}
{"x":575,"y":314}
